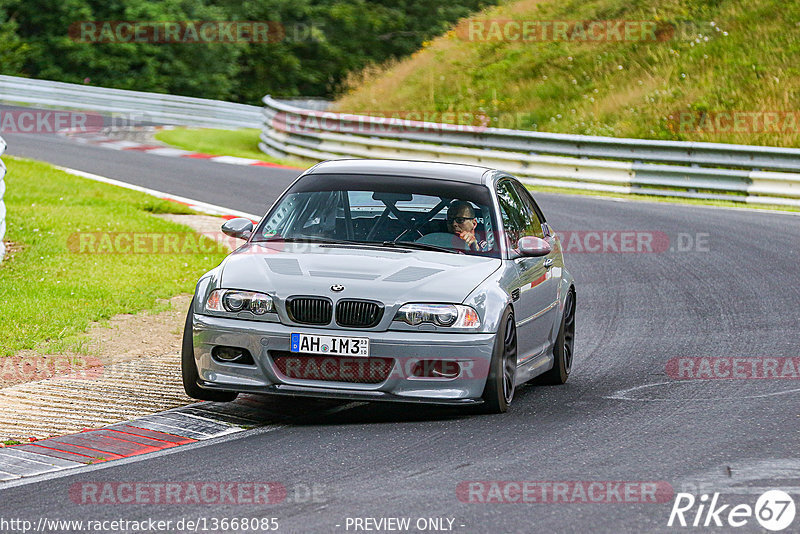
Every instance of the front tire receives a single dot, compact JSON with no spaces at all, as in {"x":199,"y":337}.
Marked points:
{"x":499,"y":389}
{"x":189,"y":368}
{"x":564,"y":347}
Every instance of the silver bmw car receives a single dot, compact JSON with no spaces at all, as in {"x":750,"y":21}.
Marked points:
{"x":389,"y":281}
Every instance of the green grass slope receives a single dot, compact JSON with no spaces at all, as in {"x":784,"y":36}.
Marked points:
{"x":710,"y":58}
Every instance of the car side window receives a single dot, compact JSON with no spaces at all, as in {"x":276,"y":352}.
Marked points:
{"x":512,"y":213}
{"x":533,"y":226}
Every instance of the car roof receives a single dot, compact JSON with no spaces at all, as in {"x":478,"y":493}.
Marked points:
{"x":472,"y":174}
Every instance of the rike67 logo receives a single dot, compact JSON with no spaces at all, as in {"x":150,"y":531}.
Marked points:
{"x":774,"y":510}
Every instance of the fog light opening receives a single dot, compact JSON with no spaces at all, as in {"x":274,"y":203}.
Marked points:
{"x":232,"y":355}
{"x":436,"y":369}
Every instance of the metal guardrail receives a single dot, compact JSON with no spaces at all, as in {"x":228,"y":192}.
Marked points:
{"x":2,"y":204}
{"x":741,"y":173}
{"x":668,"y":168}
{"x":134,"y":105}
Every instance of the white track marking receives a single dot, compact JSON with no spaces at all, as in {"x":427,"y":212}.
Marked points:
{"x":200,"y":206}
{"x":167,"y":151}
{"x":622,"y":394}
{"x":233,"y":160}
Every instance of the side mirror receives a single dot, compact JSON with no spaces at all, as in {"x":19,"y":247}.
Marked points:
{"x":533,"y":246}
{"x":239,"y":228}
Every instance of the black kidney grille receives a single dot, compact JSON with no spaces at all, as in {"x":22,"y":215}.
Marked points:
{"x":358,"y":313}
{"x":309,"y":310}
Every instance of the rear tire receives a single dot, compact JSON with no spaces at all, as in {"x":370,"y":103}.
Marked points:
{"x":189,"y":368}
{"x":564,"y":347}
{"x":499,"y":390}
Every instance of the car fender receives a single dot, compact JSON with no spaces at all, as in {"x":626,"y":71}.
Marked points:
{"x":567,"y":282}
{"x":491,"y":298}
{"x":207,"y":283}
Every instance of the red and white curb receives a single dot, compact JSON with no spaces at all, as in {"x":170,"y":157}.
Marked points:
{"x":179,"y":426}
{"x":187,"y":425}
{"x":100,"y":139}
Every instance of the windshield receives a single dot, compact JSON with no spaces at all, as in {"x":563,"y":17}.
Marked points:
{"x":393,"y":211}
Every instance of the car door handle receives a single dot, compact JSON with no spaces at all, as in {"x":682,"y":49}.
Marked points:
{"x":548,"y":262}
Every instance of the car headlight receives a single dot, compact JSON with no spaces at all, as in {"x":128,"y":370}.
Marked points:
{"x":450,"y":315}
{"x":231,"y":300}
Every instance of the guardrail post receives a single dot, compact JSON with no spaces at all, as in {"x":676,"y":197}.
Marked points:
{"x":2,"y":204}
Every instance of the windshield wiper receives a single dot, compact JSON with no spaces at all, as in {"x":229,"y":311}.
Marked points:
{"x":308,"y":240}
{"x":420,"y":246}
{"x":389,"y":244}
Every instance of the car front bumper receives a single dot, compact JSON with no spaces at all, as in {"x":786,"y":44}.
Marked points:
{"x":265,"y":340}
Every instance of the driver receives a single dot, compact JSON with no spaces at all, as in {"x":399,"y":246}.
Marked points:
{"x":462,"y":222}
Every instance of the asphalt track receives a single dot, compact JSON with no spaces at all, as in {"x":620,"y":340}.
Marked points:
{"x":619,"y":418}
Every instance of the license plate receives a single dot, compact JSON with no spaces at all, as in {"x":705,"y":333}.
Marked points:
{"x":339,"y":346}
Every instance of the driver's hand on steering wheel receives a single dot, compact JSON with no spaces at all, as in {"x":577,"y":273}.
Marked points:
{"x":469,"y":238}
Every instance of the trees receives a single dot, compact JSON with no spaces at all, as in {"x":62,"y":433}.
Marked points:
{"x":324,"y":40}
{"x":195,"y":69}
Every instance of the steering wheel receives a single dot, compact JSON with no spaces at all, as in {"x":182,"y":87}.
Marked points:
{"x":444,"y":239}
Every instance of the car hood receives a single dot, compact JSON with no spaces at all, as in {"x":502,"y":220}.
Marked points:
{"x":387,"y":275}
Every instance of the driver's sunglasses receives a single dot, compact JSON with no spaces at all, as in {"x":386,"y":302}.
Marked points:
{"x":461,"y":220}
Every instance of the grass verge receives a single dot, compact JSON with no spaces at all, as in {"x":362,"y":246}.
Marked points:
{"x":49,"y":290}
{"x":240,"y":143}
